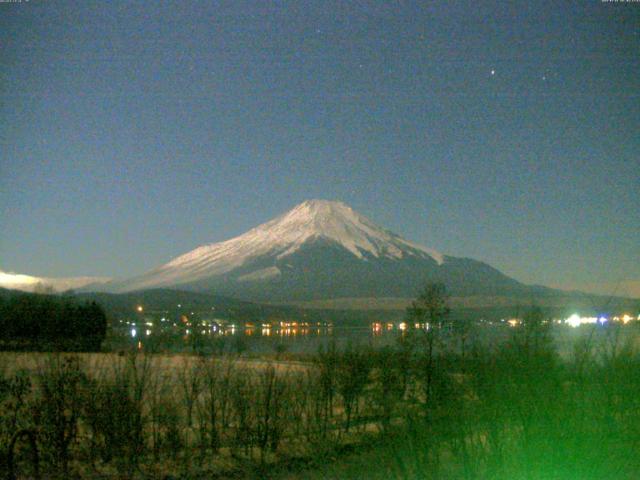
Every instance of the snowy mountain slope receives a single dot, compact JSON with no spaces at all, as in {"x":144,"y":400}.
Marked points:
{"x":283,"y":236}
{"x":319,"y":249}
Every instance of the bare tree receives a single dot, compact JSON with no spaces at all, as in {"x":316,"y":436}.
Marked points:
{"x":429,"y":311}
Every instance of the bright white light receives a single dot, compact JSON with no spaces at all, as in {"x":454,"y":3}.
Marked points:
{"x":148,"y":332}
{"x":133,"y":333}
{"x":574,"y":320}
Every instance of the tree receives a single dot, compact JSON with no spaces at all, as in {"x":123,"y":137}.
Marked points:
{"x":352,"y":375}
{"x":430,"y":308}
{"x":49,"y":321}
{"x":536,"y":332}
{"x":44,"y":289}
{"x":429,"y":312}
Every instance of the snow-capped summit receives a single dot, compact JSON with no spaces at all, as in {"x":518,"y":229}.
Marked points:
{"x":312,"y":220}
{"x":337,"y":222}
{"x":318,"y":249}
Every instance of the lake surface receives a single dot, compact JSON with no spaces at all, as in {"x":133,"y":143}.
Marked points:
{"x":309,"y":339}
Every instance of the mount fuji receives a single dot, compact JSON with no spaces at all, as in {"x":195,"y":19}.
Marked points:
{"x":321,"y":250}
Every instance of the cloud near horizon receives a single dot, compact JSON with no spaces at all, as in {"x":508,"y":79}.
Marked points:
{"x":30,"y":283}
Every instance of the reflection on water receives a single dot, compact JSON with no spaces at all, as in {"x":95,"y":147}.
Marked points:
{"x":281,"y":329}
{"x":187,"y":329}
{"x":305,"y":337}
{"x":294,"y":337}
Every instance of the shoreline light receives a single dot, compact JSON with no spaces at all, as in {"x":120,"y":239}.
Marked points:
{"x":576,"y":320}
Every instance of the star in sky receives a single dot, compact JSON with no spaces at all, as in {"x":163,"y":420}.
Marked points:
{"x":239,"y":120}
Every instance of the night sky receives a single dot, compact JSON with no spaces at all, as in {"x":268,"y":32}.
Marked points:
{"x":508,"y":132}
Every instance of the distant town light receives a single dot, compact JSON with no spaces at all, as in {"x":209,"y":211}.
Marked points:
{"x":133,"y":333}
{"x":574,"y":320}
{"x":139,"y":308}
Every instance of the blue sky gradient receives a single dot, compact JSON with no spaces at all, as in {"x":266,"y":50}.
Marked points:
{"x":502,"y":131}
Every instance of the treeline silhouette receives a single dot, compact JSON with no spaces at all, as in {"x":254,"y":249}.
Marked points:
{"x":50,"y":322}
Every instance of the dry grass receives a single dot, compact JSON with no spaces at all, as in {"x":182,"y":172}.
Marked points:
{"x":170,"y":365}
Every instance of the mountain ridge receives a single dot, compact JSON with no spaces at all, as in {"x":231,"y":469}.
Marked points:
{"x":320,"y":249}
